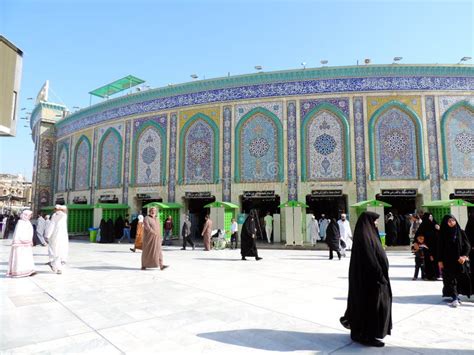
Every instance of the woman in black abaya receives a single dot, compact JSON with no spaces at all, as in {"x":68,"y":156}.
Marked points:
{"x":429,"y":229}
{"x":453,"y":256}
{"x":248,"y":235}
{"x":333,"y":237}
{"x":369,"y":304}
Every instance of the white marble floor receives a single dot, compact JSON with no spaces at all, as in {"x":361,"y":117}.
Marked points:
{"x":213,"y":303}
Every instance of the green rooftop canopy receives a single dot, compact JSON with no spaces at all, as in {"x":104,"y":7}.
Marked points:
{"x":293,"y":203}
{"x":221,"y":204}
{"x":117,"y":86}
{"x":371,"y":203}
{"x":163,"y":205}
{"x":448,"y":203}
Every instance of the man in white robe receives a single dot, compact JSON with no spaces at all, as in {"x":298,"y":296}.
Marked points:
{"x":47,"y":223}
{"x":313,"y":230}
{"x":323,"y":225}
{"x":40,"y":229}
{"x":58,"y":237}
{"x":346,"y":233}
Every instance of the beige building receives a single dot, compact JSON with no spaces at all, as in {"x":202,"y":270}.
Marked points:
{"x":15,"y":193}
{"x":11,"y":59}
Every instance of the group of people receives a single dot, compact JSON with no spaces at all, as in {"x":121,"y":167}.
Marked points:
{"x":401,"y":229}
{"x":51,"y":232}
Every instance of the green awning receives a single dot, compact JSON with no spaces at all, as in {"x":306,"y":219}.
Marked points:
{"x":221,"y":204}
{"x":293,"y":203}
{"x":112,"y":206}
{"x":79,"y":207}
{"x":448,"y":203}
{"x":163,"y":205}
{"x":117,"y":86}
{"x":371,"y":203}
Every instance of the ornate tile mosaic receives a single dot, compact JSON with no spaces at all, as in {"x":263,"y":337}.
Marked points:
{"x":63,"y":166}
{"x":126,"y":170}
{"x":433,"y":147}
{"x":324,"y":147}
{"x":274,"y":89}
{"x":275,"y":107}
{"x":292,"y":151}
{"x":200,"y":153}
{"x":82,"y":162}
{"x":342,"y":103}
{"x":359,"y":136}
{"x":46,"y":157}
{"x":213,"y":113}
{"x":149,"y":150}
{"x":445,"y":102}
{"x":110,"y":159}
{"x":172,"y":158}
{"x":376,"y":102}
{"x":459,"y":138}
{"x":396,"y":146}
{"x":227,"y":155}
{"x":94,"y":165}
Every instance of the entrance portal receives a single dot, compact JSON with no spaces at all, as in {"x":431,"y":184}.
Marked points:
{"x":401,"y":205}
{"x":194,"y":203}
{"x":331,"y":206}
{"x":263,"y":202}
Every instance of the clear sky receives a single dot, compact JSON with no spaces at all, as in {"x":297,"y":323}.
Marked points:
{"x":81,"y":45}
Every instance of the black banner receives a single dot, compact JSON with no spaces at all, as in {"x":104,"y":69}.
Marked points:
{"x":202,"y":194}
{"x":464,"y":192}
{"x":325,"y":193}
{"x":399,"y":193}
{"x":259,"y":194}
{"x":80,"y":200}
{"x":108,"y":199}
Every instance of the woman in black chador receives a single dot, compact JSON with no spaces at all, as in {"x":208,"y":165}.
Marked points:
{"x":369,"y":304}
{"x":333,"y":237}
{"x":429,"y":229}
{"x":248,"y":235}
{"x":453,"y":256}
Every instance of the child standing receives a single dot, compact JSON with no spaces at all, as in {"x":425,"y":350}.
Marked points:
{"x":422,"y":255}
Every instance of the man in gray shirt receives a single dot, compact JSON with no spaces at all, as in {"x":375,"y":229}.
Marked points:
{"x":186,"y":233}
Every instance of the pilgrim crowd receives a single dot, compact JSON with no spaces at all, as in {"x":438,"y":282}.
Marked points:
{"x":441,"y":251}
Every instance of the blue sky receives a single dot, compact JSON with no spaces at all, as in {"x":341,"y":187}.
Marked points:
{"x":81,"y":45}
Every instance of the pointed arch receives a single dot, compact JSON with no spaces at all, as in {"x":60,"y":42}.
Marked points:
{"x":207,"y":143}
{"x":417,"y":139}
{"x":464,"y":137}
{"x":63,"y":167}
{"x":82,"y":155}
{"x":268,"y":141}
{"x":109,"y":170}
{"x":153,"y":154}
{"x":344,"y":156}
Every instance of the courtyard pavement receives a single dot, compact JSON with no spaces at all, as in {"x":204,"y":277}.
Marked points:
{"x":214,"y":303}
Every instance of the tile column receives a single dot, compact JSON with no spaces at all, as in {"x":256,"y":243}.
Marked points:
{"x":172,"y":158}
{"x":433,"y":148}
{"x":227,"y":155}
{"x":359,"y":136}
{"x":292,"y":151}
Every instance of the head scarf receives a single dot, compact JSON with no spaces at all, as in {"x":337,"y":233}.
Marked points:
{"x":26,"y":215}
{"x":140,"y":218}
{"x":447,"y":231}
{"x":365,"y":226}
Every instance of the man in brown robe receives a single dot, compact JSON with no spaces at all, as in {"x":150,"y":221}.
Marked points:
{"x":206,"y":233}
{"x":152,"y":255}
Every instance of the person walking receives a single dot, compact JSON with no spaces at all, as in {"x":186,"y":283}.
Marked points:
{"x":313,"y":230}
{"x":168,"y":227}
{"x":234,"y":234}
{"x":138,"y":234}
{"x":248,"y":246}
{"x":207,"y":233}
{"x":186,"y":233}
{"x":126,"y":230}
{"x":346,"y":234}
{"x":268,"y":220}
{"x":453,"y":260}
{"x":58,"y":237}
{"x":333,"y":237}
{"x":430,"y":230}
{"x":369,"y":303}
{"x":152,"y":255}
{"x":21,"y":263}
{"x":390,"y":230}
{"x":323,"y":225}
{"x":40,"y":229}
{"x":469,"y":230}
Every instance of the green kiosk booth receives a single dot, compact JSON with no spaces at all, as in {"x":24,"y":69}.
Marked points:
{"x":456,"y":207}
{"x":165,"y":209}
{"x":293,"y":222}
{"x":372,"y":206}
{"x":108,"y":211}
{"x":221,"y":214}
{"x":79,"y":217}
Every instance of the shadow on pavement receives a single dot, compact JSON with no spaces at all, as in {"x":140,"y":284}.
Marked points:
{"x":219,"y":259}
{"x":104,"y":267}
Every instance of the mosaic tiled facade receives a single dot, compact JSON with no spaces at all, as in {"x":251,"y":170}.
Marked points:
{"x":46,"y":154}
{"x":293,"y":133}
{"x":259,"y":142}
{"x":396,"y":146}
{"x":149,"y":151}
{"x":433,"y":147}
{"x":63,"y":166}
{"x":110,"y":159}
{"x":82,"y":164}
{"x":459,"y":142}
